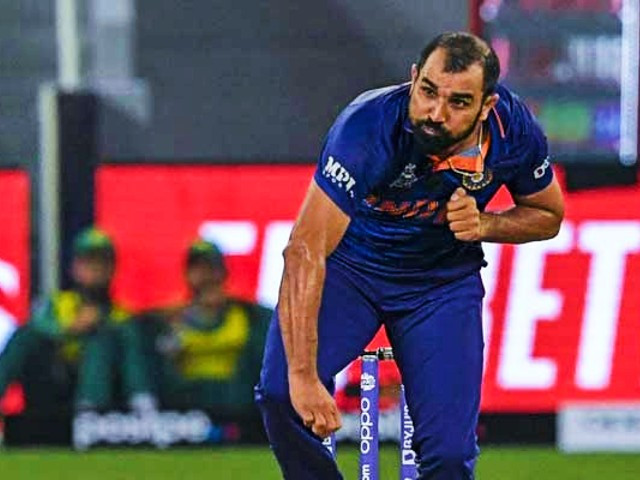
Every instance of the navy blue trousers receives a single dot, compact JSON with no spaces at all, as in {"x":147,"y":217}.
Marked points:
{"x":436,"y":335}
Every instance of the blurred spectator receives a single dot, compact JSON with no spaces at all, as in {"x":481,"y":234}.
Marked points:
{"x":207,"y":354}
{"x":79,"y":340}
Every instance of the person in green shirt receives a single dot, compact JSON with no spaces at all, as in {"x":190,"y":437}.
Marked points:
{"x":208,"y":352}
{"x":82,"y":331}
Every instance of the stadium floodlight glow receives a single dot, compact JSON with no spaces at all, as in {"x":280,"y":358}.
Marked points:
{"x":629,"y":82}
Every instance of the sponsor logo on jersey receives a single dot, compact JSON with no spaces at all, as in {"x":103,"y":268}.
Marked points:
{"x":478,"y":180}
{"x":419,"y":209}
{"x":541,"y":170}
{"x":339,"y":175}
{"x":407,"y":178}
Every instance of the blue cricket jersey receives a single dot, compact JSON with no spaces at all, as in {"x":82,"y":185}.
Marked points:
{"x":373,"y":170}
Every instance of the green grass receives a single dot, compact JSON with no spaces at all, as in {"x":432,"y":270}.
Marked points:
{"x":257,"y":463}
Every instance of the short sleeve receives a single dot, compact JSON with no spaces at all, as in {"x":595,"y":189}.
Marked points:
{"x":535,"y":172}
{"x":341,"y":171}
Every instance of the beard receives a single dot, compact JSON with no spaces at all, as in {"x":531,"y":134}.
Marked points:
{"x":442,"y":140}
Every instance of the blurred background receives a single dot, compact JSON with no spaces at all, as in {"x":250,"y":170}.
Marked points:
{"x":162,"y":122}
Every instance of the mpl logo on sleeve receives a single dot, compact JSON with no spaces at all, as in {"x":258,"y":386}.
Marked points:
{"x":340,"y":175}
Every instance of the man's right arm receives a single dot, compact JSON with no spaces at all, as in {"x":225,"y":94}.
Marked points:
{"x":317,"y":232}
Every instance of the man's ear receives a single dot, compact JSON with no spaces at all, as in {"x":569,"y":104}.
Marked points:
{"x":414,"y":72}
{"x":414,"y":76}
{"x":489,"y":103}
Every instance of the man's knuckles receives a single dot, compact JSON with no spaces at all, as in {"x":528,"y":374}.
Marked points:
{"x":466,"y":203}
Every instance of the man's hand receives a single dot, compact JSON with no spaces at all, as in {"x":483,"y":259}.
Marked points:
{"x":463,"y":216}
{"x":314,"y":404}
{"x":86,"y":319}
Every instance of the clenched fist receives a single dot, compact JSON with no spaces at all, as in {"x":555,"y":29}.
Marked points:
{"x":463,"y":216}
{"x":314,"y":404}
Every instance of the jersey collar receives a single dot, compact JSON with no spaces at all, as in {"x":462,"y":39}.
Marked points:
{"x":471,"y":160}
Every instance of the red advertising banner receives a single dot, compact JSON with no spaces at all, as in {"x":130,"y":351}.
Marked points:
{"x":154,"y":212}
{"x":14,"y":246}
{"x":14,"y":264}
{"x":562,"y":317}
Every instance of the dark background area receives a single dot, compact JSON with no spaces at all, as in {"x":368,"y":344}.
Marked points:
{"x":223,"y":81}
{"x":262,"y":81}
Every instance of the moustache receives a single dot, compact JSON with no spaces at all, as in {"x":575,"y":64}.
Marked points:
{"x":437,"y":127}
{"x":436,"y":140}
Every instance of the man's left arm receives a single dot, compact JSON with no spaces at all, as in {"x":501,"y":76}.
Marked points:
{"x":539,"y":204}
{"x":534,"y":217}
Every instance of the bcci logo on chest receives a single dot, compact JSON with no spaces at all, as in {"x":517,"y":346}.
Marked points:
{"x":478,"y":180}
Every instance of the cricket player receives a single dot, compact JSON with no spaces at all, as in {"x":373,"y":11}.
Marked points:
{"x":82,"y":331}
{"x":206,"y":354}
{"x":390,"y":234}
